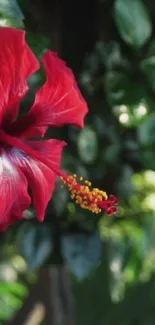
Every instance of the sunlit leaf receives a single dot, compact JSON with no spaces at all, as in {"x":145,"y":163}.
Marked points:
{"x":6,"y":310}
{"x":11,"y":296}
{"x":12,"y":287}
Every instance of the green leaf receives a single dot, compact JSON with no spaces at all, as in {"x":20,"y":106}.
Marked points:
{"x":34,"y":243}
{"x":60,"y":199}
{"x":82,"y":252}
{"x":87,"y":145}
{"x":11,"y":296}
{"x":147,"y":159}
{"x":12,"y":287}
{"x":116,"y":86}
{"x":38,"y":43}
{"x":146,"y":131}
{"x":148,"y":67}
{"x":111,"y":154}
{"x":110,"y":54}
{"x":6,"y":310}
{"x":122,"y":89}
{"x":10,"y":9}
{"x":133,"y":21}
{"x":124,"y":184}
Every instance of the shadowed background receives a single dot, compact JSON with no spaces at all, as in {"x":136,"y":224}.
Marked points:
{"x":77,"y":267}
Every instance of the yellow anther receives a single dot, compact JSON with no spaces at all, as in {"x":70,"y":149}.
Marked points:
{"x":83,"y":194}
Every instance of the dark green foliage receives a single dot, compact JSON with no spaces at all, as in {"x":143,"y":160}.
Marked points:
{"x":112,"y":259}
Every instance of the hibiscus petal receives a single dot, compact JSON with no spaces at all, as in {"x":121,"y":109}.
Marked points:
{"x":41,"y":178}
{"x":57,"y":102}
{"x":17,"y":63}
{"x":14,"y":198}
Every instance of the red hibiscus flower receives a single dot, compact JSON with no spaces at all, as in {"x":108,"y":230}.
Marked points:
{"x":36,"y":164}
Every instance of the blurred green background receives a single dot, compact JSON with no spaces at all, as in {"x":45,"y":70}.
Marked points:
{"x":110,"y":261}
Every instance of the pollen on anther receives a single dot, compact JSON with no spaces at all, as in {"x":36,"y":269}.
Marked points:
{"x":88,"y":197}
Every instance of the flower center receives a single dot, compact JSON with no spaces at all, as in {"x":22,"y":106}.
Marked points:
{"x":88,"y":197}
{"x":84,"y":194}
